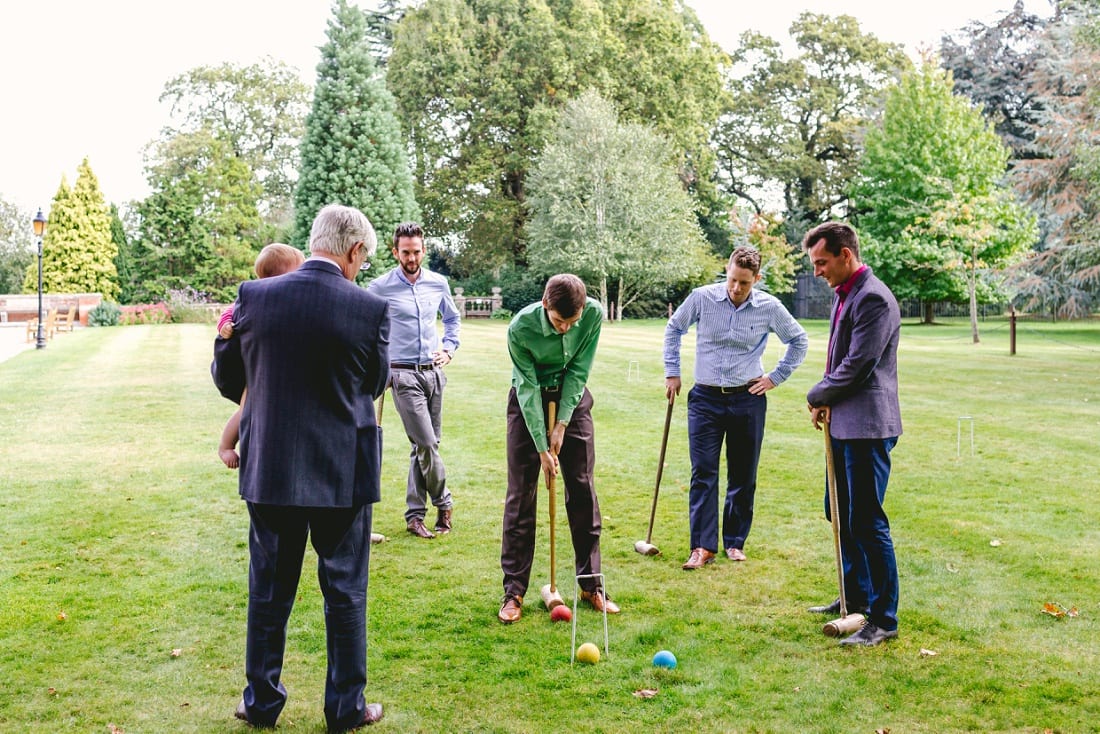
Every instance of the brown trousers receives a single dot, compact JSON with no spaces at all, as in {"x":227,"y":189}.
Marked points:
{"x":577,"y":462}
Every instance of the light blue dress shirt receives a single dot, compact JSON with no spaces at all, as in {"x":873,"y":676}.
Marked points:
{"x":730,"y":340}
{"x":413,"y":311}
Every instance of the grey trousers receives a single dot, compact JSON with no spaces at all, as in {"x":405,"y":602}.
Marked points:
{"x":418,"y":399}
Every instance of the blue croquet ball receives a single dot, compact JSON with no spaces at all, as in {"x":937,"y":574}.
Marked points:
{"x":664,"y":659}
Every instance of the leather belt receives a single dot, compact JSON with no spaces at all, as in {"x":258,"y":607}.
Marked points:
{"x":735,"y":390}
{"x":415,"y":367}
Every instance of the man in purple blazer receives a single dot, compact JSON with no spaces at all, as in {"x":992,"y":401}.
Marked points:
{"x":311,"y":346}
{"x":858,"y":398}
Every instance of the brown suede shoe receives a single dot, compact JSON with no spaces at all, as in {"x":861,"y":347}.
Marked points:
{"x":416,"y":527}
{"x":736,"y":554}
{"x":598,"y":600}
{"x":511,"y":610}
{"x":443,"y":521}
{"x":699,"y":558}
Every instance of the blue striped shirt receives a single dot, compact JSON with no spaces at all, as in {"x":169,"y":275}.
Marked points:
{"x":730,"y":340}
{"x":413,"y":310}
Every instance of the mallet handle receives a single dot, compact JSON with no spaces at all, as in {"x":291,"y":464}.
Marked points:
{"x":552,"y":414}
{"x":660,"y":468}
{"x":834,"y":515}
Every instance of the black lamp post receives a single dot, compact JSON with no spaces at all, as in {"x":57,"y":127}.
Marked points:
{"x":39,"y":230}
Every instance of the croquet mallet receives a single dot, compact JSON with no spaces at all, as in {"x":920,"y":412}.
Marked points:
{"x":646,"y":547}
{"x":550,"y":596}
{"x":846,"y":623}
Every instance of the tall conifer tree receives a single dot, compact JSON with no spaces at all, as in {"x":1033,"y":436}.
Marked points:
{"x":78,"y":253}
{"x":352,"y":152}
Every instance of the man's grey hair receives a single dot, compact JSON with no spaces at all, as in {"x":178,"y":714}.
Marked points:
{"x":336,"y":228}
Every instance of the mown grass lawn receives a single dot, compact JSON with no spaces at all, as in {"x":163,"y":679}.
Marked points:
{"x":123,"y":560}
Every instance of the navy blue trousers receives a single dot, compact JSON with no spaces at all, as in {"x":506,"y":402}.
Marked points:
{"x":867,"y":550}
{"x":277,"y":543}
{"x":738,"y":420}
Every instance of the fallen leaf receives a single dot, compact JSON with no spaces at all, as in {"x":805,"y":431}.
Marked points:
{"x":177,"y":651}
{"x":114,"y":729}
{"x":883,"y":730}
{"x":645,"y":692}
{"x":926,"y":653}
{"x":951,"y":568}
{"x":797,"y":689}
{"x":51,"y":691}
{"x":61,"y":616}
{"x":1058,"y":611}
{"x":995,"y":542}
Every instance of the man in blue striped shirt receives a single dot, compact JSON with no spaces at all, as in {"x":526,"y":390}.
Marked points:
{"x":727,"y":402}
{"x":417,"y":355}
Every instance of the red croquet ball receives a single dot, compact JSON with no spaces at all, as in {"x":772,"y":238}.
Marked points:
{"x":561,"y":613}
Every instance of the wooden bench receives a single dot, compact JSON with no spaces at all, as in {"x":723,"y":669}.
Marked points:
{"x":65,"y":321}
{"x":48,"y":329}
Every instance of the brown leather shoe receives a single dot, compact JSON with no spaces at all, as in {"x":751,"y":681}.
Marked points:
{"x":416,"y":527}
{"x":443,"y":521}
{"x":372,"y":715}
{"x":598,"y":600}
{"x":736,"y":554}
{"x":511,"y":610}
{"x":699,"y":558}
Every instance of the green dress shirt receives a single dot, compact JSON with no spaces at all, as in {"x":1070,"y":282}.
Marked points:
{"x":543,"y":358}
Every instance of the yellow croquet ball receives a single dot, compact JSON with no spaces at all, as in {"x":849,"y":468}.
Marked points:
{"x":588,"y":653}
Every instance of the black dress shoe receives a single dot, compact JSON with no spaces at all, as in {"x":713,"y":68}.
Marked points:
{"x":833,"y":608}
{"x":370,"y":716}
{"x":869,"y":635}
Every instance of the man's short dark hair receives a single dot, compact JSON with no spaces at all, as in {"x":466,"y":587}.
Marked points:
{"x":837,"y":235}
{"x":565,"y":294}
{"x":746,"y":257}
{"x":407,"y":229}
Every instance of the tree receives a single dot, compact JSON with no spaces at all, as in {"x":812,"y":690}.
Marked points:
{"x":1063,"y":180}
{"x":17,"y":246}
{"x":257,"y":111}
{"x":125,"y":261}
{"x":779,"y":261}
{"x":929,"y":202}
{"x":353,"y":152}
{"x":478,"y":83}
{"x":78,"y":255}
{"x":380,"y":24}
{"x":201,"y":226}
{"x":791,"y":128}
{"x":607,"y":204}
{"x":992,"y":65}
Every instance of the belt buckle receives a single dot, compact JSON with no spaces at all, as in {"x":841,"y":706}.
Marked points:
{"x":732,"y":390}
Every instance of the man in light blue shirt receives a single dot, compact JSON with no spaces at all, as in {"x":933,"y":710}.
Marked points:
{"x":727,"y":402}
{"x":417,"y":356}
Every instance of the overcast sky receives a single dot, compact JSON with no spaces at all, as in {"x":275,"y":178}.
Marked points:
{"x":82,"y":77}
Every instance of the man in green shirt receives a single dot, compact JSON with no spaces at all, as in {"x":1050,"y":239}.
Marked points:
{"x":552,"y":344}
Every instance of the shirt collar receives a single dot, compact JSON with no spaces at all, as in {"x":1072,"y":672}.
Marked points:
{"x":846,"y":287}
{"x":722,"y":295}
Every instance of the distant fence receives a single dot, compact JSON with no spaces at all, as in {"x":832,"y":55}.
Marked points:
{"x":813,"y":299}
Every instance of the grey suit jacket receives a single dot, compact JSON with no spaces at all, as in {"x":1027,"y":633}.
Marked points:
{"x":312,"y":347}
{"x":861,"y":386}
